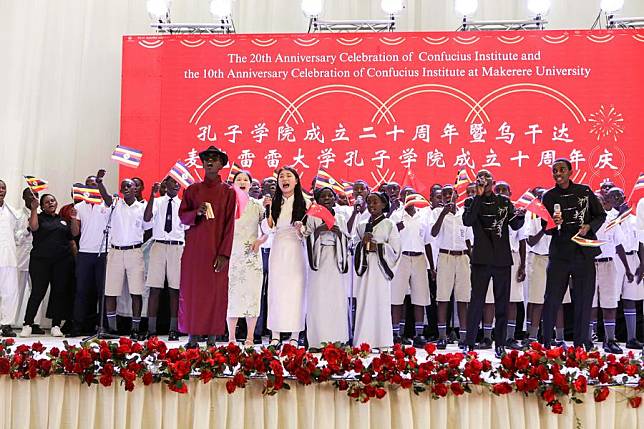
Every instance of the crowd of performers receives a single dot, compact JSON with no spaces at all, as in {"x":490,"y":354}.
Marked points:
{"x":382,"y":263}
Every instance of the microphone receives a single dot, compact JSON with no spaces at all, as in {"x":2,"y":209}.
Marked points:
{"x":359,"y":201}
{"x":557,"y":209}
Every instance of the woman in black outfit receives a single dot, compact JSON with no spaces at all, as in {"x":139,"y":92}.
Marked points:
{"x":50,"y":263}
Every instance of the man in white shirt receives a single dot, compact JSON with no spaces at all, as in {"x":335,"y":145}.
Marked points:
{"x":8,"y":264}
{"x":629,"y":272}
{"x":607,"y":293}
{"x":162,"y":214}
{"x":125,"y":257}
{"x":23,"y":250}
{"x":411,"y":273}
{"x":453,"y":240}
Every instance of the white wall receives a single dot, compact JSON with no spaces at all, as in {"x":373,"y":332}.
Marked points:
{"x":61,"y":61}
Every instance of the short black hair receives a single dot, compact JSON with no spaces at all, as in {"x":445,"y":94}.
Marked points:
{"x":565,"y":161}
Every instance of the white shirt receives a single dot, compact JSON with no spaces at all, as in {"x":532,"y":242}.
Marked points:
{"x":24,"y":240}
{"x":613,"y":237}
{"x":159,"y":210}
{"x":629,"y":228}
{"x":127,"y":223}
{"x":640,"y":219}
{"x":532,"y":227}
{"x":93,"y":218}
{"x":516,"y":237}
{"x":415,"y":234}
{"x":453,"y":233}
{"x":8,"y":229}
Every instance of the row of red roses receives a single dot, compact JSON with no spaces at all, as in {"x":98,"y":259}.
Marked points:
{"x":552,"y":375}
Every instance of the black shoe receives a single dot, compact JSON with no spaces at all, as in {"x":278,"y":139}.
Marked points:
{"x":634,"y":344}
{"x":419,"y":341}
{"x":37,"y":330}
{"x":173,"y":336}
{"x":560,"y":343}
{"x":149,"y":335}
{"x":499,"y":351}
{"x":74,"y":333}
{"x":612,"y":347}
{"x":6,"y":331}
{"x":527,"y":341}
{"x":65,"y":329}
{"x":465,"y":348}
{"x":137,"y":336}
{"x":406,"y":341}
{"x":441,"y":344}
{"x":190,"y":345}
{"x":514,"y":344}
{"x":486,"y":344}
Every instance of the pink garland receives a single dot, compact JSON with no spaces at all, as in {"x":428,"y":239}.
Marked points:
{"x":551,"y":375}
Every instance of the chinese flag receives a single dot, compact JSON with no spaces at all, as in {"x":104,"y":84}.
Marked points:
{"x":540,"y":210}
{"x":321,"y":212}
{"x":411,"y":180}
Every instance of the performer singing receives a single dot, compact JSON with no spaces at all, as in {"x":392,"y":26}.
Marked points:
{"x":245,"y":275}
{"x":209,"y":209}
{"x":328,"y":261}
{"x":287,"y":271}
{"x":490,"y":215}
{"x":580,"y":213}
{"x":376,"y":257}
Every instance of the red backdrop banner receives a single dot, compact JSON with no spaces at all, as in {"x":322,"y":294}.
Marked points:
{"x":372,"y":106}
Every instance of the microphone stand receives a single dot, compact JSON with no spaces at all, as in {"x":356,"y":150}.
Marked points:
{"x":101,"y":334}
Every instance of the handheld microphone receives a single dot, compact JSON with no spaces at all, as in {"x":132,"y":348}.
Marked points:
{"x":557,"y":209}
{"x":359,"y":201}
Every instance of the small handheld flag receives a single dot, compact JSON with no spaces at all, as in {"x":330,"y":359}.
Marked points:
{"x":324,"y":179}
{"x":321,"y":212}
{"x":127,"y":156}
{"x":411,"y":180}
{"x":619,"y":219}
{"x":416,"y":200}
{"x":89,"y":195}
{"x":586,"y":242}
{"x":234,"y":169}
{"x":35,"y":184}
{"x":180,"y":173}
{"x":531,"y":203}
{"x":347,"y":188}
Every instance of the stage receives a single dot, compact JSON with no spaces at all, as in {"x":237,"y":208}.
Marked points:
{"x":63,"y":401}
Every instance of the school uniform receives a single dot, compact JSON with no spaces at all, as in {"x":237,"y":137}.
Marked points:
{"x":8,"y":264}
{"x":453,"y":262}
{"x":411,"y":274}
{"x":632,"y":291}
{"x":125,"y":258}
{"x":168,"y":235}
{"x":607,"y":292}
{"x":516,"y":287}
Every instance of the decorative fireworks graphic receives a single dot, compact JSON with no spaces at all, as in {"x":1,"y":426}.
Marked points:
{"x":606,"y":123}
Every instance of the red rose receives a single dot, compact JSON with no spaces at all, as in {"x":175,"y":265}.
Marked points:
{"x":380,"y":393}
{"x":365,"y":378}
{"x":147,"y":378}
{"x":37,"y":347}
{"x":45,"y":365}
{"x":501,"y":388}
{"x":557,"y":408}
{"x":554,"y":353}
{"x":230,"y":386}
{"x":440,"y":389}
{"x":106,"y":380}
{"x":457,"y":389}
{"x":9,"y":341}
{"x":364,"y":347}
{"x":54,"y":351}
{"x":581,"y":384}
{"x":181,"y":387}
{"x":239,"y":379}
{"x":205,"y":376}
{"x":635,"y":401}
{"x":406,"y":383}
{"x":430,"y":348}
{"x":5,"y":365}
{"x":548,"y":395}
{"x":343,"y":384}
{"x":410,"y":351}
{"x":601,"y":394}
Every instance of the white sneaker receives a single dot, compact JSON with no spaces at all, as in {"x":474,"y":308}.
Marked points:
{"x":55,"y":331}
{"x":26,"y":331}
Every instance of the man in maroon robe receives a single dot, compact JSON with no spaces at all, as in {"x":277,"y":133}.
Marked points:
{"x":203,"y":293}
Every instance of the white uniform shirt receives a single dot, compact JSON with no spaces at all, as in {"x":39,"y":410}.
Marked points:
{"x":159,"y":210}
{"x":24,"y":240}
{"x":629,"y":228}
{"x":613,"y":237}
{"x":127,"y":223}
{"x":415,"y":234}
{"x":93,"y":219}
{"x":453,"y":233}
{"x":8,"y":229}
{"x":533,"y":226}
{"x":516,"y":237}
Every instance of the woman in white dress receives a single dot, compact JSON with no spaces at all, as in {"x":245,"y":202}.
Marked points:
{"x":376,"y":256}
{"x":245,"y":272}
{"x":286,"y":263}
{"x":328,"y":263}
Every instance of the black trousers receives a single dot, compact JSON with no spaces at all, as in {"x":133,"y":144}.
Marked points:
{"x":90,"y":282}
{"x":432,"y":310}
{"x":582,"y":290}
{"x":480,"y":276}
{"x":59,"y":273}
{"x":260,"y":327}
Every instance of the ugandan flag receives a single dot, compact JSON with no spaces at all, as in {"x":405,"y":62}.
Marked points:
{"x":35,"y":184}
{"x":586,"y":242}
{"x":181,"y":174}
{"x":525,"y":199}
{"x":127,"y":156}
{"x":416,"y":200}
{"x":324,"y":179}
{"x":619,"y":219}
{"x":89,"y":195}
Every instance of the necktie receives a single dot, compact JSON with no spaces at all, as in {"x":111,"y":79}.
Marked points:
{"x":168,"y":217}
